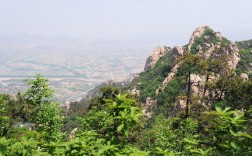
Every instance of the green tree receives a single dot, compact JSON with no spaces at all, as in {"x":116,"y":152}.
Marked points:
{"x":210,"y":67}
{"x":238,"y":93}
{"x":19,"y":110}
{"x":227,"y":132}
{"x":39,"y":91}
{"x":124,"y":116}
{"x":105,"y":92}
{"x":4,"y":118}
{"x":115,"y":121}
{"x":189,"y":64}
{"x":48,"y":121}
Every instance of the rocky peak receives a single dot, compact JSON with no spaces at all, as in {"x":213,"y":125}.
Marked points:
{"x":157,"y":53}
{"x":213,"y":45}
{"x":210,"y":45}
{"x":177,"y":51}
{"x":197,"y":33}
{"x":147,"y":107}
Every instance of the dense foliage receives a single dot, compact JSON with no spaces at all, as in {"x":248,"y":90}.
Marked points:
{"x":150,"y":80}
{"x":245,"y":44}
{"x":244,"y":64}
{"x":114,"y":125}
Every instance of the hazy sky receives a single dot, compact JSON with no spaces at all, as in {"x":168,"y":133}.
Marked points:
{"x":172,"y":20}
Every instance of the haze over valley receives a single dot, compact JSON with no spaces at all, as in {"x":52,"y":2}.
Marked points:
{"x":72,"y":65}
{"x":79,"y":44}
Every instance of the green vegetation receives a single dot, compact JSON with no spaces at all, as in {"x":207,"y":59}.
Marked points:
{"x":245,"y":44}
{"x":244,"y":64}
{"x":4,"y":118}
{"x":102,"y":132}
{"x":205,"y":109}
{"x":150,"y":80}
{"x":167,"y":98}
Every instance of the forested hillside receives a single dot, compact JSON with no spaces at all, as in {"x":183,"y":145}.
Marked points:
{"x":190,"y":100}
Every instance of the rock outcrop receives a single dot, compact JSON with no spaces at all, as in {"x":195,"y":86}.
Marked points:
{"x":197,"y":86}
{"x":211,"y":48}
{"x":233,"y":54}
{"x":72,"y":134}
{"x":196,"y":33}
{"x":152,"y":60}
{"x":135,"y":91}
{"x":147,"y":107}
{"x":170,"y":76}
{"x":244,"y":76}
{"x":177,"y":51}
{"x":218,"y":35}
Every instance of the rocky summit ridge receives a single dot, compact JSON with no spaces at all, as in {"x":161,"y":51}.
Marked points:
{"x":204,"y":42}
{"x":209,"y":47}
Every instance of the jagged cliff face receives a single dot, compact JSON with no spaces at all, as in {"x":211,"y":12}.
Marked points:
{"x":204,"y":42}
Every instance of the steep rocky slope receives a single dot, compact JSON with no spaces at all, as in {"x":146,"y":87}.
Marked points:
{"x":163,"y":73}
{"x":152,"y":60}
